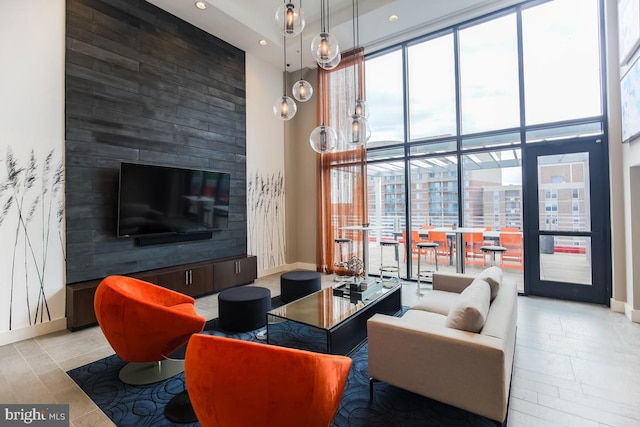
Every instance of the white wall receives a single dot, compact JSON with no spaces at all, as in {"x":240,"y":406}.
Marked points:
{"x":625,"y":185}
{"x":265,"y":167}
{"x":32,"y":297}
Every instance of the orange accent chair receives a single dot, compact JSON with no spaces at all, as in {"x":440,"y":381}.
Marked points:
{"x":415,"y":239}
{"x":512,"y":258}
{"x":145,"y":323}
{"x":472,"y":253}
{"x":444,"y":251}
{"x":245,"y":384}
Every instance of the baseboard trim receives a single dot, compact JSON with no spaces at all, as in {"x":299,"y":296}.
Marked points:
{"x":632,"y":314}
{"x":287,"y":267}
{"x":302,"y":266}
{"x":270,"y":271}
{"x":617,"y":306}
{"x":33,"y":331}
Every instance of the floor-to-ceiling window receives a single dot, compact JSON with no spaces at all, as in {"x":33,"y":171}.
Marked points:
{"x":453,"y":115}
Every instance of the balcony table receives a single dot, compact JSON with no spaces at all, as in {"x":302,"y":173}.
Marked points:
{"x":365,"y":242}
{"x":458,"y":233}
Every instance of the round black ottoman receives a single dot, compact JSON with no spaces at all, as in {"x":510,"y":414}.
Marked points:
{"x":297,"y":284}
{"x":244,"y":308}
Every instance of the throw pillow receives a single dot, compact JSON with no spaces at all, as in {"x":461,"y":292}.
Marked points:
{"x":470,"y":311}
{"x":493,"y":276}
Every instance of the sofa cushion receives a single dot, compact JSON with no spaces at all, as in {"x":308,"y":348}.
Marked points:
{"x":437,"y":302}
{"x":493,"y":276}
{"x":470,"y":310}
{"x":420,"y":317}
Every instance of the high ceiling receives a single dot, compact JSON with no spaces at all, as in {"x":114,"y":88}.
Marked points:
{"x":243,"y":23}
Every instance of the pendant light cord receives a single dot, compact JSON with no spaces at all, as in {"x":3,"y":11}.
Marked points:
{"x":300,"y":46}
{"x":355,"y":52}
{"x":328,"y":15}
{"x":284,"y":74}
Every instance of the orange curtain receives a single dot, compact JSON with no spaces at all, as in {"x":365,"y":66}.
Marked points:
{"x":342,"y":174}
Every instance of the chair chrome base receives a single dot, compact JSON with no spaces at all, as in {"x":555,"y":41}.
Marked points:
{"x":150,"y":372}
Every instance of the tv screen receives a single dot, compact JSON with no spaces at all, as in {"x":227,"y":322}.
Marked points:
{"x":156,"y":200}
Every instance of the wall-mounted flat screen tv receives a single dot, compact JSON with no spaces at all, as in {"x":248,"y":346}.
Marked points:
{"x":161,"y":200}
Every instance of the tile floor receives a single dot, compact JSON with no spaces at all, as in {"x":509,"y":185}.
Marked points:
{"x":575,"y":364}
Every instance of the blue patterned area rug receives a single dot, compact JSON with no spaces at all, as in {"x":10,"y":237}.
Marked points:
{"x":128,"y":405}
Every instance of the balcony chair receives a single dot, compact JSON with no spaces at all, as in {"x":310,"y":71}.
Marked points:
{"x":512,"y":257}
{"x":444,"y":250}
{"x":246,"y":384}
{"x":145,"y":323}
{"x":472,"y":253}
{"x":415,"y":239}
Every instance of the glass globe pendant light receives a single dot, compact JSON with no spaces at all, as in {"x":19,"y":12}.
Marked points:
{"x":284,"y":107}
{"x":302,"y":89}
{"x":333,"y":64}
{"x":360,"y":130}
{"x":323,"y":139}
{"x":361,"y":108}
{"x":290,"y":19}
{"x":324,"y":46}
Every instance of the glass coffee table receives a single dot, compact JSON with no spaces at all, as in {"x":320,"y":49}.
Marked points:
{"x":329,"y":323}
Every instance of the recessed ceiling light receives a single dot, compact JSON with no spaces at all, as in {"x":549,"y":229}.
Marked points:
{"x":263,"y":42}
{"x":201,"y":5}
{"x":393,"y":18}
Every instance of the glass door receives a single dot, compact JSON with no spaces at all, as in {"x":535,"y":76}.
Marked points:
{"x":492,"y":204}
{"x":568,"y":238}
{"x":387,"y":207}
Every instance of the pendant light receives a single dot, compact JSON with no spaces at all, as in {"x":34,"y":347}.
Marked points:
{"x":302,"y":89}
{"x":333,"y":64}
{"x":323,"y":138}
{"x":360,"y":130}
{"x":324,"y":46}
{"x":361,"y":105}
{"x":290,"y":19}
{"x":284,"y":107}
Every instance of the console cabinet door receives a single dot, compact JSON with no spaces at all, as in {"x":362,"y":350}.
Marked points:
{"x":191,"y":281}
{"x":234,"y":272}
{"x":79,"y":308}
{"x":248,"y":271}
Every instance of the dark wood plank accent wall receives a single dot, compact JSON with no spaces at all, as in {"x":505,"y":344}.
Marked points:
{"x":145,"y":86}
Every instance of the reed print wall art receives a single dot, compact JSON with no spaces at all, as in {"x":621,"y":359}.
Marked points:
{"x":265,"y":219}
{"x":31,"y":197}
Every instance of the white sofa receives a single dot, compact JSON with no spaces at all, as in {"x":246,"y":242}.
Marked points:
{"x":423,"y":352}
